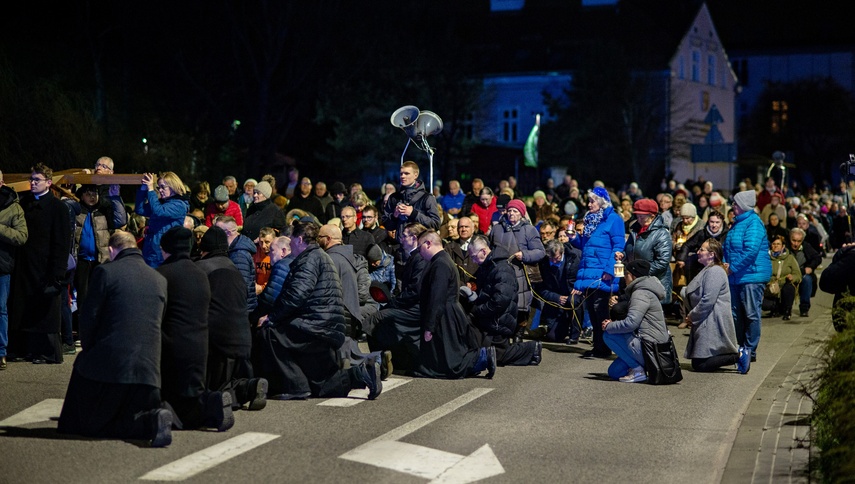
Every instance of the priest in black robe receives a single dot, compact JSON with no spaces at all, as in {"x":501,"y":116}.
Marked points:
{"x":450,"y":346}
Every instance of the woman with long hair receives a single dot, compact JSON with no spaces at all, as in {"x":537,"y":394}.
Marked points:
{"x":712,"y":340}
{"x":162,"y":201}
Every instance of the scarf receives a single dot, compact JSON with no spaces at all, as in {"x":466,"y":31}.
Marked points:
{"x":592,"y":220}
{"x":688,"y":228}
{"x":716,"y":234}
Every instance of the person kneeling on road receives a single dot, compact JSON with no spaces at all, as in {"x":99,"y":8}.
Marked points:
{"x":644,"y":320}
{"x":494,"y":307}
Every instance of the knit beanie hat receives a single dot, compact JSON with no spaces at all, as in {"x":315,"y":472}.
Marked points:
{"x":638,"y":268}
{"x":338,"y":187}
{"x":375,"y":253}
{"x":265,"y":189}
{"x":745,"y":200}
{"x":502,"y":201}
{"x":688,"y":210}
{"x":517,"y":204}
{"x":176,"y":240}
{"x":214,"y":240}
{"x":221,"y":194}
{"x":539,"y":194}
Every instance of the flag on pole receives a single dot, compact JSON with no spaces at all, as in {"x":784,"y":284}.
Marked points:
{"x":530,"y":148}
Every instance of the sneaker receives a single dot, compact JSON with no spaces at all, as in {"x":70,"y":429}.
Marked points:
{"x":69,"y":349}
{"x":635,"y":375}
{"x":803,"y":314}
{"x":491,"y":361}
{"x":744,"y":362}
{"x":386,"y":367}
{"x":259,"y":401}
{"x":538,"y":353}
{"x":162,"y":428}
{"x":218,"y":410}
{"x":370,"y":376}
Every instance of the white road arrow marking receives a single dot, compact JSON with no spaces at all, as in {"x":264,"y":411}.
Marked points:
{"x":207,"y":458}
{"x":439,"y":466}
{"x":40,"y":412}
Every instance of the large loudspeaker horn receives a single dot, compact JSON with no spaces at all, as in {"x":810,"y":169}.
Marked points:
{"x":428,"y":124}
{"x":404,"y":116}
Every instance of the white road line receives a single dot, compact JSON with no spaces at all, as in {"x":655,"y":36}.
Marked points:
{"x":433,"y":415}
{"x":40,"y":412}
{"x":359,"y":396}
{"x":205,"y":459}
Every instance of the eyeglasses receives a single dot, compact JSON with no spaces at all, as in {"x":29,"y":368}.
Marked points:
{"x":305,"y":183}
{"x":162,"y":187}
{"x":348,"y":216}
{"x":368,"y":217}
{"x":703,"y":249}
{"x":37,"y":180}
{"x":104,"y":166}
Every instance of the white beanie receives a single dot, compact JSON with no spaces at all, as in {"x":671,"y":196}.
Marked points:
{"x":745,"y":200}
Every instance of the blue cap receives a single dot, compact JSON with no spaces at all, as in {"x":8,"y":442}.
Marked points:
{"x":601,"y":192}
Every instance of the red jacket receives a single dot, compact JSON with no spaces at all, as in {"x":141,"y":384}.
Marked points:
{"x":233,"y":210}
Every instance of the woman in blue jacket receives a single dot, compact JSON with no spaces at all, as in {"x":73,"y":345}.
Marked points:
{"x":602,"y":243}
{"x":162,"y":202}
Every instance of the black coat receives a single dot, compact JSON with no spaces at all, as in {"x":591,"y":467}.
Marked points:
{"x":359,"y":239}
{"x":184,"y":330}
{"x":455,"y":343}
{"x":120,"y":322}
{"x":410,"y":278}
{"x":424,"y":205}
{"x":41,"y":265}
{"x":228,"y":330}
{"x":311,"y":299}
{"x":495,"y":310}
{"x":557,"y":281}
{"x":309,"y":204}
{"x":263,"y":214}
{"x":465,"y":267}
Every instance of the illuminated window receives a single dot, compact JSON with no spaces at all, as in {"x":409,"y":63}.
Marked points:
{"x":780,"y":116}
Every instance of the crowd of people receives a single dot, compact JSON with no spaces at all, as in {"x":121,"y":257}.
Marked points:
{"x":193,"y":303}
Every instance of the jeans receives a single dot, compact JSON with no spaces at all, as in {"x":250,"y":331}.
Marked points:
{"x":746,"y":303}
{"x":4,"y":313}
{"x":805,"y":290}
{"x":628,"y":349}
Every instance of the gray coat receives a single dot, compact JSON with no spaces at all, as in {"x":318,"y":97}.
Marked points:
{"x":708,"y":297}
{"x":645,"y":317}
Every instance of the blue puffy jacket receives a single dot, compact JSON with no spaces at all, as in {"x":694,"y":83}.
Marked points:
{"x":240,"y":252}
{"x":746,"y":250}
{"x":598,"y":253}
{"x":274,"y":284}
{"x":163,"y":214}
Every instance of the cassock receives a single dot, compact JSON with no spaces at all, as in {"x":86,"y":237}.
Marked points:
{"x":454,"y":347}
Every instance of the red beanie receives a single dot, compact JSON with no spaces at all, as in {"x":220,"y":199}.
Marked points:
{"x":517,"y":204}
{"x":645,"y":205}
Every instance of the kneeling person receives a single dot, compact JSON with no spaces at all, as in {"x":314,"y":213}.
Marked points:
{"x":111,"y":395}
{"x":494,"y":307}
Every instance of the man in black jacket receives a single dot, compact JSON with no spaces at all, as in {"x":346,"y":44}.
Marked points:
{"x":494,"y":306}
{"x":410,"y":204}
{"x":111,"y":395}
{"x":397,"y":326}
{"x":459,"y":250}
{"x":353,"y":235}
{"x":808,"y":259}
{"x":301,"y":336}
{"x":229,"y":367}
{"x":184,"y":340}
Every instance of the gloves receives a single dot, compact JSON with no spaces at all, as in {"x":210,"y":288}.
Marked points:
{"x":468,"y":293}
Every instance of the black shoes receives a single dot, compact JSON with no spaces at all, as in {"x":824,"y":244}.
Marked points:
{"x":803,"y":314}
{"x":573,"y":341}
{"x":218,"y":410}
{"x":491,"y":361}
{"x":538,"y":353}
{"x":162,"y":428}
{"x":259,"y":401}
{"x":786,"y":317}
{"x":386,"y":367}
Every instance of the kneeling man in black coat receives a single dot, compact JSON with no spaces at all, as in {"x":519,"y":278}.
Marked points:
{"x":114,"y":390}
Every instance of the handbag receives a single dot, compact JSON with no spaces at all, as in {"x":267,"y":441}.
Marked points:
{"x":773,"y":288}
{"x":661,"y":363}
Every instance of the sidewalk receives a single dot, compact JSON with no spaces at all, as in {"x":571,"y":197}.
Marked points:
{"x":773,"y":441}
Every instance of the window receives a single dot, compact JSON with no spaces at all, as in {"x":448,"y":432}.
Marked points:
{"x":681,"y":68}
{"x":780,"y":116}
{"x":510,"y":125}
{"x":711,"y":70}
{"x":696,"y":66}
